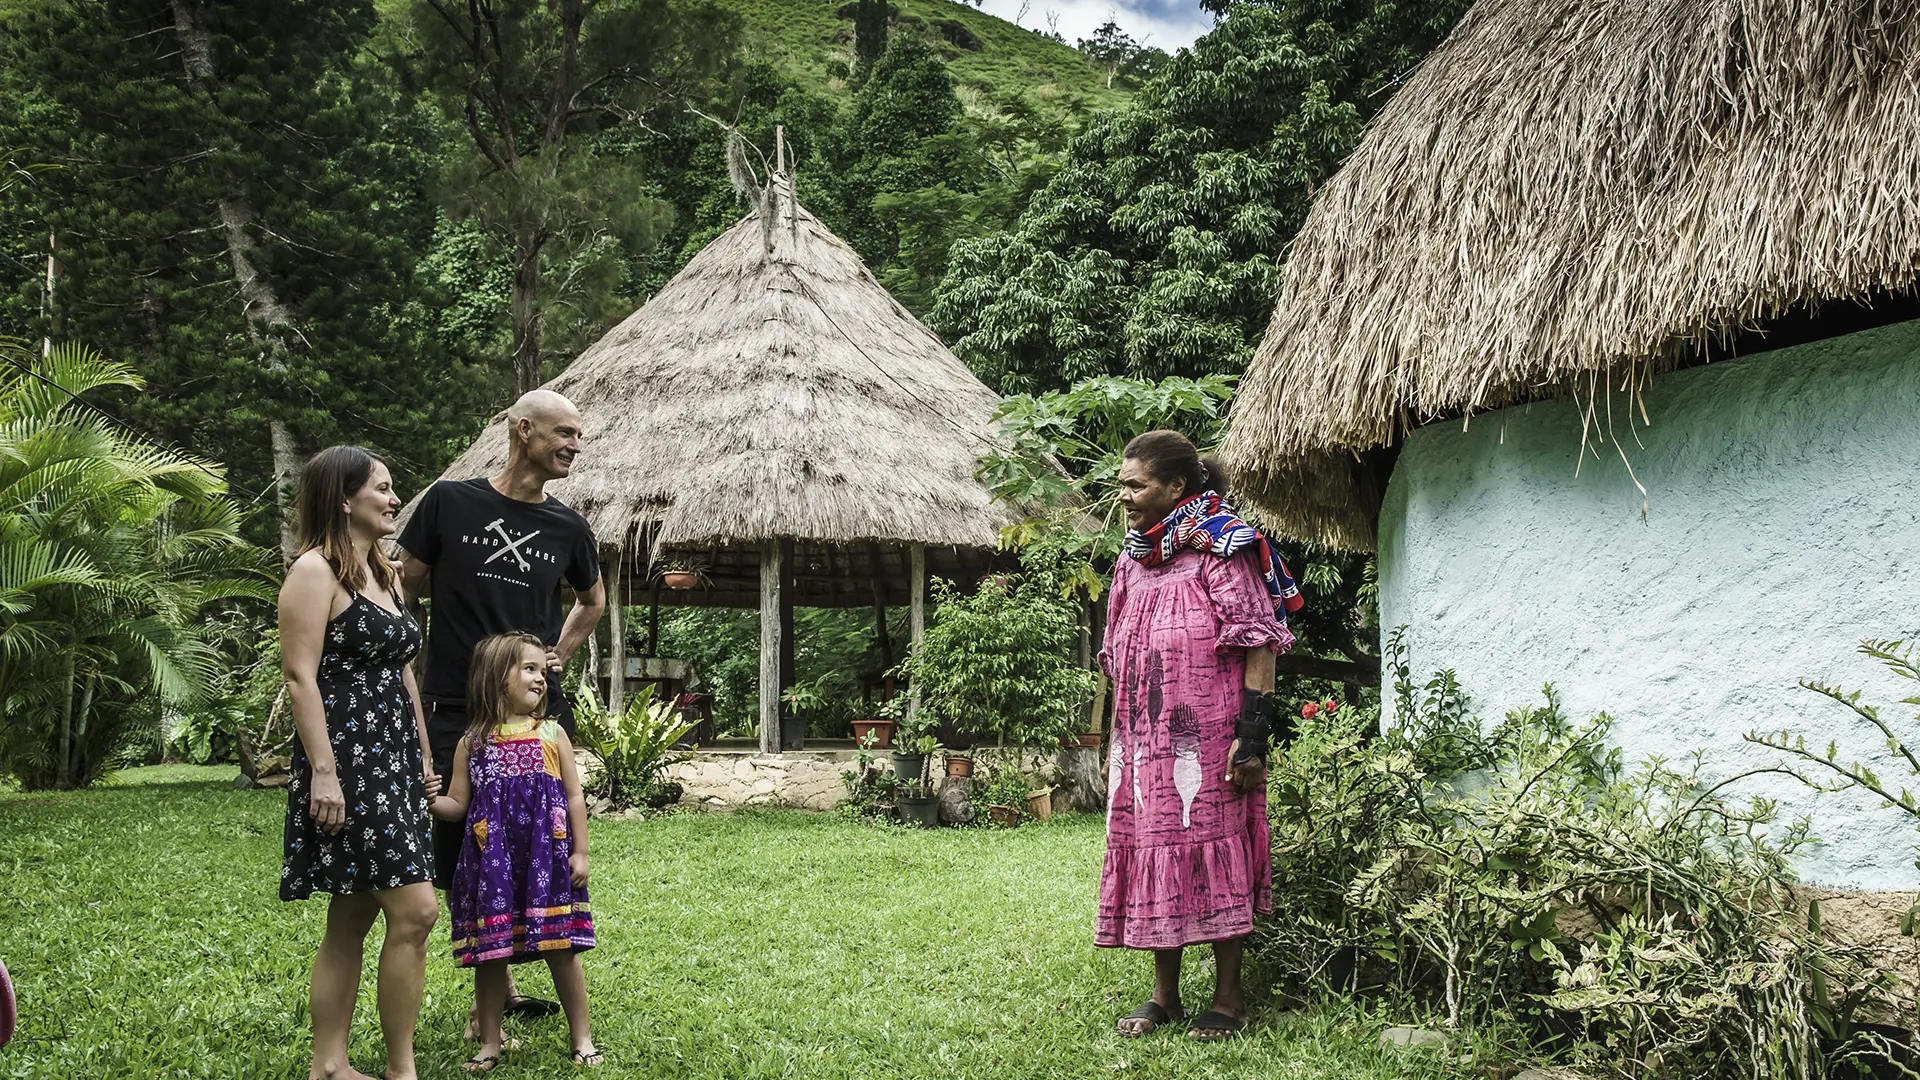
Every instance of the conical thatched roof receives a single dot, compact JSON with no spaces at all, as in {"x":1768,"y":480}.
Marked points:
{"x":773,"y":389}
{"x":1572,"y":194}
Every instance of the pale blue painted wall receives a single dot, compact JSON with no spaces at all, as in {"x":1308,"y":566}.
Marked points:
{"x":1783,"y":527}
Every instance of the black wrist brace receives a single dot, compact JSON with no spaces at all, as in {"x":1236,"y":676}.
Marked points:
{"x":1255,"y":726}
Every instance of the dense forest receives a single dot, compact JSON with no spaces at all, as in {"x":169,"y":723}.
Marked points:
{"x":298,"y":222}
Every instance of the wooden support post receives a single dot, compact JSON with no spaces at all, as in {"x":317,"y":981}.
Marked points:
{"x":617,"y":633}
{"x":653,"y":619}
{"x":879,"y":607}
{"x":771,"y":573}
{"x":917,"y":611}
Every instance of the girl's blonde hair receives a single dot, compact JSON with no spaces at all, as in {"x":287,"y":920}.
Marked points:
{"x":494,"y":659}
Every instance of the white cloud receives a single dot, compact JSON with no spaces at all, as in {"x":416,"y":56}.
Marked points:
{"x":1164,"y":24}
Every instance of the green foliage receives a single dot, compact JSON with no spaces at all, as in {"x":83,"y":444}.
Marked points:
{"x":635,"y":746}
{"x":1001,"y":659}
{"x":1524,"y":873}
{"x":1003,"y":785}
{"x":246,"y":683}
{"x":1061,"y":459}
{"x":869,"y":30}
{"x":112,"y":554}
{"x":1155,"y":249}
{"x":317,"y":159}
{"x":1904,"y":661}
{"x":836,"y":655}
{"x":871,"y":786}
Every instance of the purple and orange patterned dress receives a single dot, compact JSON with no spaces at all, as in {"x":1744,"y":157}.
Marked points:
{"x":513,"y":896}
{"x":1188,"y":857}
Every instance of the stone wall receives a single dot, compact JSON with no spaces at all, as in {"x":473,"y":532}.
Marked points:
{"x":1781,"y":527}
{"x":797,"y":779}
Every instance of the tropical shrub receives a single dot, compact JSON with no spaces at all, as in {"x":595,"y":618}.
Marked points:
{"x":1524,"y":873}
{"x":1001,"y":660}
{"x":635,"y":746}
{"x":113,"y":552}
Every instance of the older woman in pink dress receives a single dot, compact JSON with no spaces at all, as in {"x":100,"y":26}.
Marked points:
{"x":1195,"y":617}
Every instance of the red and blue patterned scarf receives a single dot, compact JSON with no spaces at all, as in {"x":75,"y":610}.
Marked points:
{"x":1207,"y":522}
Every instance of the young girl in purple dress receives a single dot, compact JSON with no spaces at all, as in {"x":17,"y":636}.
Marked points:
{"x":520,"y":889}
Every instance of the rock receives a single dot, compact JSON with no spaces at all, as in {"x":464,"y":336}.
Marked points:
{"x":1406,"y":1037}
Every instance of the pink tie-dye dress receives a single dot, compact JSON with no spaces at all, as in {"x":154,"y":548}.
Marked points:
{"x":1188,"y":858}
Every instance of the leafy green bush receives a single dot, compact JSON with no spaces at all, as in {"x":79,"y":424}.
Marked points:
{"x":1524,"y":873}
{"x":635,"y":746}
{"x":1002,"y":659}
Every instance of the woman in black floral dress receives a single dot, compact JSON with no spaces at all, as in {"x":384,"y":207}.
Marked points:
{"x":357,"y":824}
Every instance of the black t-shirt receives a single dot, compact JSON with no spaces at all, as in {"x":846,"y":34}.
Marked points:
{"x":497,"y":568}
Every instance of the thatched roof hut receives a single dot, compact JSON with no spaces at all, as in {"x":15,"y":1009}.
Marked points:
{"x":1487,"y":362}
{"x":1576,"y":194}
{"x":773,"y":389}
{"x":776,"y":415}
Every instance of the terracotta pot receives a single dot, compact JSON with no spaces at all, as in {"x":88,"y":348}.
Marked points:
{"x":1040,"y":804}
{"x":680,"y":580}
{"x":959,"y":765}
{"x":1090,"y":739}
{"x":1003,"y":815}
{"x":882,"y":732}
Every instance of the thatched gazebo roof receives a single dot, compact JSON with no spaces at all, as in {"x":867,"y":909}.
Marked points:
{"x":773,"y":390}
{"x":1571,"y":195}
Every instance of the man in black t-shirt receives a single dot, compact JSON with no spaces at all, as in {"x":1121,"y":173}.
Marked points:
{"x":493,"y":553}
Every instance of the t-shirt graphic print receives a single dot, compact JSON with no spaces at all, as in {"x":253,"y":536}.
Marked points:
{"x":498,"y":564}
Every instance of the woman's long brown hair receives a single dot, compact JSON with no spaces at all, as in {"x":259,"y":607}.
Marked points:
{"x":331,"y":477}
{"x":494,"y":659}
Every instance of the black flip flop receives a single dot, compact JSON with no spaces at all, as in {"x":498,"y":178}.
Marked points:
{"x":477,"y":1064}
{"x":1224,"y":1027}
{"x":532,"y":1008}
{"x":1153,"y":1012}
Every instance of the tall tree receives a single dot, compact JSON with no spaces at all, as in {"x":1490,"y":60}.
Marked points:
{"x":538,"y":83}
{"x":236,"y":208}
{"x":1110,"y":47}
{"x":869,"y":31}
{"x":1155,"y":250}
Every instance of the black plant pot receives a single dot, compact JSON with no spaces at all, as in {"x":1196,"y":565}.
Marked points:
{"x":793,"y":732}
{"x":921,"y":810}
{"x":907,"y":766}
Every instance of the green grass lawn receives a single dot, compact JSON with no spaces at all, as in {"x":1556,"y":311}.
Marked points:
{"x":145,"y":935}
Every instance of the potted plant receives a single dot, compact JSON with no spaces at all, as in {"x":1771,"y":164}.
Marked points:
{"x":1003,"y":797}
{"x":881,"y":727}
{"x":914,"y":740}
{"x":801,"y":700}
{"x":1040,"y":803}
{"x":680,"y":572}
{"x":959,"y":764}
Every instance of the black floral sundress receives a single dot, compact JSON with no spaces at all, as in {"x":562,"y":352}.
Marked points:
{"x":376,"y":750}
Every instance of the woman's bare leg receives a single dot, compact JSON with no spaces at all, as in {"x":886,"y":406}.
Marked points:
{"x":336,"y":983}
{"x":1166,"y":989}
{"x":411,"y":912}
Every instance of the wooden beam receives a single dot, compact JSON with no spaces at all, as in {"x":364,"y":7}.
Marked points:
{"x":770,"y":575}
{"x":787,"y":563}
{"x":917,"y":611}
{"x":617,"y":634}
{"x":879,"y":607}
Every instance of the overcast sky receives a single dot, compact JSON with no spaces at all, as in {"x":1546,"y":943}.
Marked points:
{"x":1166,"y":24}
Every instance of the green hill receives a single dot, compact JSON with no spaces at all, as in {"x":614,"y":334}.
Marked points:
{"x":809,"y":39}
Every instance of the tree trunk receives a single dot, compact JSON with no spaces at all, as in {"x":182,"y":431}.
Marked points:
{"x":270,"y":323}
{"x":525,"y":306}
{"x":80,"y":731}
{"x":63,"y":776}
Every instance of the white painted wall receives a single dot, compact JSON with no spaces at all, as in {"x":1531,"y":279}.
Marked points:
{"x":1783,"y":527}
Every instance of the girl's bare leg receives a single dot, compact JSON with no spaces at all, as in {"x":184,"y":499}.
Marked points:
{"x":336,"y":983}
{"x":489,"y":999}
{"x":570,"y":986}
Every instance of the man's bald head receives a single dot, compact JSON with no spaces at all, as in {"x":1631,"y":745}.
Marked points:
{"x":543,"y":434}
{"x":538,"y":405}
